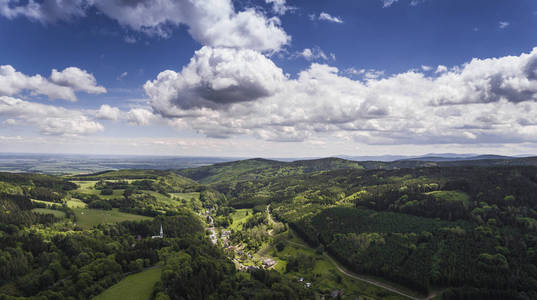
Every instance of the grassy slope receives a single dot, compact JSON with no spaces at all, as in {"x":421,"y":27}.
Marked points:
{"x":86,"y":218}
{"x":76,"y":203}
{"x":240,"y":216}
{"x":133,"y":287}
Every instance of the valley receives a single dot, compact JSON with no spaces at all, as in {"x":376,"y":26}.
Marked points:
{"x":318,"y":229}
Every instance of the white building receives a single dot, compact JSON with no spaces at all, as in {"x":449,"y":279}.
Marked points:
{"x":161,"y":234}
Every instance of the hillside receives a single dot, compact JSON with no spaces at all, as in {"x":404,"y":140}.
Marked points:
{"x":470,"y":228}
{"x":258,"y":169}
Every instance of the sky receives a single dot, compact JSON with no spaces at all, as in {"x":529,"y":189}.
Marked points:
{"x":268,"y":78}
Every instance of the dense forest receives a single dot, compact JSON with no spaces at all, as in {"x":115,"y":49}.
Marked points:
{"x":467,"y":230}
{"x":471,"y":229}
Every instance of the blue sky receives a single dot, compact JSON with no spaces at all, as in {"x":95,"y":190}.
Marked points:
{"x":268,"y":78}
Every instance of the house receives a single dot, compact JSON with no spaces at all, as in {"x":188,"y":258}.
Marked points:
{"x":161,"y":234}
{"x":269,"y":262}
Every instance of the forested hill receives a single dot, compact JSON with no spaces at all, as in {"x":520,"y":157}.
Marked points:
{"x":472,"y":229}
{"x":257,"y":169}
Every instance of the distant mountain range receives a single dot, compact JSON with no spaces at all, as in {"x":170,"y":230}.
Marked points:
{"x":431,"y":157}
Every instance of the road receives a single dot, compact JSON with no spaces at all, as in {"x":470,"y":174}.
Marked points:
{"x":363,"y":278}
{"x":370,"y":281}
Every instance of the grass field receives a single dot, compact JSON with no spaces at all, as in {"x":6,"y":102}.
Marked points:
{"x":87,"y":218}
{"x":187,"y":196}
{"x":46,"y":202}
{"x":133,"y":287}
{"x":240,"y":216}
{"x":75,"y":203}
{"x":85,"y":185}
{"x":56,"y":213}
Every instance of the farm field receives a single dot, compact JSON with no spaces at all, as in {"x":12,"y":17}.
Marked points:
{"x":138,"y":286}
{"x":87,"y":218}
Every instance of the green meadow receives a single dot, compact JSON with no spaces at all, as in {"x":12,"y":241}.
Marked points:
{"x":138,"y":286}
{"x":87,"y":218}
{"x":239,"y":217}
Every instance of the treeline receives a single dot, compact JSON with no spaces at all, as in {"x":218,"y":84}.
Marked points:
{"x":16,"y":211}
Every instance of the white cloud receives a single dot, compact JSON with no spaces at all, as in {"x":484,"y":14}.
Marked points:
{"x":388,"y":3}
{"x":9,"y":122}
{"x":122,"y":75}
{"x":373,"y":74}
{"x":77,"y":79}
{"x":48,"y":119}
{"x":323,"y":16}
{"x":354,"y":71}
{"x":129,"y":39}
{"x":279,"y":7}
{"x":484,"y":101}
{"x":416,"y":2}
{"x":441,"y":69}
{"x":316,"y":53}
{"x":215,"y":77}
{"x":61,"y":85}
{"x":426,"y":68}
{"x":140,"y":116}
{"x":47,"y":11}
{"x":107,"y":112}
{"x":503,"y":24}
{"x":212,"y":22}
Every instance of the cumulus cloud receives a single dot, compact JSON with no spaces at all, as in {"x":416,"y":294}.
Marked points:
{"x":60,"y":85}
{"x":48,"y":119}
{"x":483,"y":101}
{"x":77,"y":79}
{"x":140,"y":116}
{"x":215,"y":77}
{"x":107,"y":112}
{"x":323,"y":16}
{"x":212,"y":22}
